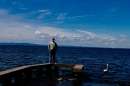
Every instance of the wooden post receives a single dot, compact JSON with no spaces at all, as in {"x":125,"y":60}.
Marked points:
{"x":7,"y":80}
{"x":27,"y":74}
{"x":39,"y":71}
{"x":56,"y":70}
{"x":48,"y":70}
{"x":18,"y":76}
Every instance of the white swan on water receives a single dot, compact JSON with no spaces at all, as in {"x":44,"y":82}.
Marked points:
{"x":59,"y":79}
{"x":106,"y":70}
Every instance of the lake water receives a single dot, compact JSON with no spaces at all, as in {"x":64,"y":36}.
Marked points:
{"x":93,"y":59}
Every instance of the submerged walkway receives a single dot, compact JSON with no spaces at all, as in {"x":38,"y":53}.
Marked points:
{"x":24,"y":73}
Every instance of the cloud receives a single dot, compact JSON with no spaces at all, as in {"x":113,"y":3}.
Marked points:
{"x":14,"y":3}
{"x":61,"y":16}
{"x":23,"y":8}
{"x":55,"y":31}
{"x":86,"y":32}
{"x":122,"y":36}
{"x":13,"y":29}
{"x":78,"y":16}
{"x":44,"y":13}
{"x":5,"y":15}
{"x":43,"y":10}
{"x":37,"y":32}
{"x":3,"y":12}
{"x":83,"y":37}
{"x":27,"y":26}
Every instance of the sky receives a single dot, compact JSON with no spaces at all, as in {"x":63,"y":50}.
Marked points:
{"x":85,"y":23}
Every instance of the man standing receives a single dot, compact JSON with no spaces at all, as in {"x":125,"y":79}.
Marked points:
{"x":52,"y":47}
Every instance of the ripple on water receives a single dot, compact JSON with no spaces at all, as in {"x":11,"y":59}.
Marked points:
{"x":94,"y":59}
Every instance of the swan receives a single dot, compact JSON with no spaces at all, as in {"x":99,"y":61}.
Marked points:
{"x":59,"y":79}
{"x":106,"y":70}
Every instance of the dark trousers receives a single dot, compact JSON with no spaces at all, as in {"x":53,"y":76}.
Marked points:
{"x":52,"y":55}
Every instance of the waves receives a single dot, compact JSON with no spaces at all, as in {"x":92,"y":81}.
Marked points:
{"x":94,"y":59}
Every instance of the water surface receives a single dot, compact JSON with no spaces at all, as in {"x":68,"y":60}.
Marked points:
{"x":93,"y":59}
